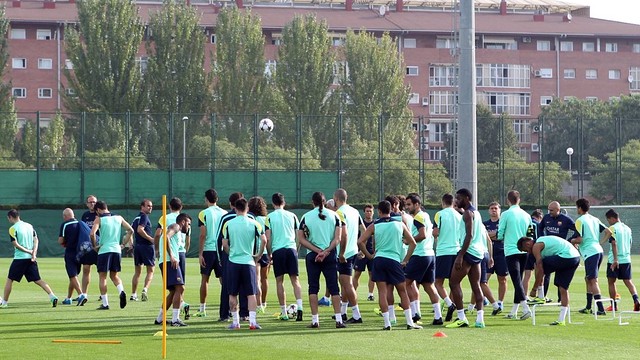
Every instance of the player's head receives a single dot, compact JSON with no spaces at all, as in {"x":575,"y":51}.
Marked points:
{"x":494,"y":209}
{"x":257,"y":206}
{"x":318,"y":201}
{"x":277,"y":199}
{"x":554,"y":208}
{"x":101,"y":207}
{"x":393,"y":200}
{"x":463,"y":198}
{"x":447,"y":200}
{"x":536,"y":215}
{"x":91,"y":202}
{"x":67,"y":214}
{"x":513,"y":197}
{"x":340,"y":196}
{"x":384,"y":208}
{"x":612,"y":216}
{"x":331,"y":204}
{"x":241,"y":206}
{"x":412,"y":203}
{"x":184,"y":221}
{"x":525,"y":244}
{"x":13,"y":216}
{"x":401,"y":199}
{"x":146,"y":206}
{"x":175,"y":204}
{"x":233,"y":198}
{"x":368,"y":211}
{"x":211,"y":195}
{"x":583,"y":206}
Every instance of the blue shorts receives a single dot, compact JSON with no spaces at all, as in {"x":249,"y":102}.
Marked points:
{"x":499,"y":260}
{"x":470,"y":259}
{"x":387,"y":270}
{"x":71,"y":265}
{"x":90,"y":258}
{"x":347,"y":267}
{"x":241,"y":279}
{"x":422,"y":269}
{"x":183,"y":265}
{"x":174,"y":276}
{"x":24,"y":267}
{"x":212,"y":264}
{"x":530,"y":264}
{"x":285,"y":261}
{"x":328,"y":268}
{"x":484,"y":268}
{"x":563,"y":267}
{"x":592,"y":265}
{"x":264,"y":260}
{"x":362,"y":264}
{"x":623,"y":272}
{"x":144,"y":255}
{"x":444,"y":264}
{"x":109,"y":262}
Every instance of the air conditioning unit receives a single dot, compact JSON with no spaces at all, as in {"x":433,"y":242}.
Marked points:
{"x":425,"y":101}
{"x":424,"y":139}
{"x":537,"y":128}
{"x":526,"y":39}
{"x":424,"y":146}
{"x":424,"y":127}
{"x":537,"y":73}
{"x":535,"y":147}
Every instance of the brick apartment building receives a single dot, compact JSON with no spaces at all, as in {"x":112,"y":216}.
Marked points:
{"x":528,"y":53}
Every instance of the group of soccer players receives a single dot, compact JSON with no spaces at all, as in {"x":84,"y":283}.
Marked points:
{"x":402,"y":249}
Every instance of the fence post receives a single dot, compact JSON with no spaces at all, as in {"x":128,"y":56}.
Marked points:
{"x":580,"y":164}
{"x":380,"y":157}
{"x":541,"y":163}
{"x":127,"y":157}
{"x":212,"y":166}
{"x":421,"y":159}
{"x":82,"y":174}
{"x":171,"y":153}
{"x":255,"y":154}
{"x":38,"y":157}
{"x":501,"y":162}
{"x":618,"y":125}
{"x":340,"y":169}
{"x":298,"y":159}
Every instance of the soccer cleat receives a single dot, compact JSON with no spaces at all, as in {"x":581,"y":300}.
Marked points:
{"x":185,"y":308}
{"x":313,"y":326}
{"x":617,"y":297}
{"x":437,"y":322}
{"x":585,"y":311}
{"x":354,"y":321}
{"x":200,"y":314}
{"x":548,"y":300}
{"x":66,"y":301}
{"x":371,"y":298}
{"x":283,"y":317}
{"x":393,"y":322}
{"x":416,"y":317}
{"x":255,"y":327}
{"x":82,"y":299}
{"x":178,"y":323}
{"x":496,"y":311}
{"x":414,"y":327}
{"x":324,"y":302}
{"x":133,"y":298}
{"x":479,"y":325}
{"x":233,"y":326}
{"x":344,"y":317}
{"x":377,"y":311}
{"x":610,"y":308}
{"x":102,"y":307}
{"x":75,"y":299}
{"x":223,"y":319}
{"x":535,"y":301}
{"x":54,"y":302}
{"x":123,"y":299}
{"x":261,"y":309}
{"x":636,"y":307}
{"x":510,"y":316}
{"x":156,"y":322}
{"x":525,"y":315}
{"x":4,"y":306}
{"x":450,"y":312}
{"x":244,"y":318}
{"x":601,"y":313}
{"x":144,"y":296}
{"x":559,"y":323}
{"x":485,"y":302}
{"x":299,"y":315}
{"x":387,"y":328}
{"x":340,"y":325}
{"x":458,"y":324}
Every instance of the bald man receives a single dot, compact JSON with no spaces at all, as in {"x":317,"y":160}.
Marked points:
{"x":70,"y":231}
{"x":556,"y":223}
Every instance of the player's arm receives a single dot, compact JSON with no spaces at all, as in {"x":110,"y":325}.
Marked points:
{"x":263,"y":245}
{"x":269,"y":245}
{"x":422,"y":234}
{"x":410,"y":241}
{"x":606,"y":235}
{"x":614,"y":250}
{"x":61,"y":241}
{"x":187,"y":239}
{"x":337,"y":238}
{"x":175,"y":260}
{"x":362,"y":241}
{"x":468,"y":225}
{"x":490,"y":250}
{"x":224,"y":235}
{"x":94,"y":230}
{"x":128,"y":237}
{"x":536,"y":251}
{"x":343,"y":236}
{"x":143,"y":234}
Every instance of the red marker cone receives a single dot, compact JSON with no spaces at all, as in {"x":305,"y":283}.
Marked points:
{"x":440,"y":334}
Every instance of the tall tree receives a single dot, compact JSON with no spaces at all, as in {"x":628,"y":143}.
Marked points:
{"x":8,"y":119}
{"x":103,"y":47}
{"x":493,"y":133}
{"x":240,"y":80}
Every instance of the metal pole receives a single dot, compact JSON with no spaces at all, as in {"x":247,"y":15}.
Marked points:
{"x":184,"y":142}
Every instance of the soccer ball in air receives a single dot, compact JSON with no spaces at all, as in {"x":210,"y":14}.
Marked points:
{"x":292,"y":311}
{"x":265,"y":124}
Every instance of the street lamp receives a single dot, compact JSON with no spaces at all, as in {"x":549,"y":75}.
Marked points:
{"x":184,"y":142}
{"x":569,"y":153}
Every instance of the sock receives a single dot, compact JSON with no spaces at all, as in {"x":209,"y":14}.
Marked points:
{"x":385,"y":317}
{"x":541,"y":292}
{"x":252,"y":317}
{"x":338,"y":318}
{"x":236,"y":317}
{"x":159,"y":318}
{"x":175,"y":315}
{"x":480,"y":316}
{"x":437,"y":311}
{"x":589,"y":300}
{"x":495,"y":305}
{"x":471,"y":307}
{"x":392,"y":313}
{"x":412,"y":307}
{"x":525,"y":307}
{"x":105,"y":300}
{"x":407,"y":316}
{"x":563,"y":313}
{"x":343,"y":307}
{"x":326,"y":299}
{"x":355,"y":311}
{"x":283,"y":309}
{"x":65,"y":299}
{"x":514,"y":310}
{"x":370,"y":294}
{"x":264,"y":305}
{"x":315,"y":319}
{"x":635,"y":298}
{"x":52,"y":296}
{"x":144,"y":290}
{"x":134,"y":295}
{"x":500,"y":304}
{"x":461,"y":315}
{"x":120,"y":288}
{"x":599,"y":303}
{"x":299,"y":303}
{"x":448,"y":301}
{"x":203,"y":307}
{"x":417,"y":306}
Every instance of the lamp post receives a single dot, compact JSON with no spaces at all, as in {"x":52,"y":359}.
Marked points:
{"x":184,"y":142}
{"x":569,"y":153}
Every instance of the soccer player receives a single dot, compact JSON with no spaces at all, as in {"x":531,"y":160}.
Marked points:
{"x":514,"y":224}
{"x":362,"y":262}
{"x":91,"y":258}
{"x":241,"y":237}
{"x":467,"y":262}
{"x":553,"y":254}
{"x":109,"y":250}
{"x":320,"y":232}
{"x":144,"y":251}
{"x":258,"y":208}
{"x":208,"y":221}
{"x":499,"y":260}
{"x":25,"y":241}
{"x":446,"y":232}
{"x":280,"y":230}
{"x":388,"y":261}
{"x":588,"y":240}
{"x":175,"y":279}
{"x":421,"y":266}
{"x":347,"y":253}
{"x":68,"y":238}
{"x":529,"y":265}
{"x":619,"y":260}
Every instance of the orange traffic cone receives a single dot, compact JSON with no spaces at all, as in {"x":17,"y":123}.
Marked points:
{"x":440,"y":334}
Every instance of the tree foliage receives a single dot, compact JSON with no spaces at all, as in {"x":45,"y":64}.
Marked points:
{"x":493,"y":133}
{"x":604,"y":186}
{"x":8,"y":118}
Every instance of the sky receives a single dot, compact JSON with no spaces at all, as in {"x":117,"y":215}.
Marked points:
{"x":619,"y":10}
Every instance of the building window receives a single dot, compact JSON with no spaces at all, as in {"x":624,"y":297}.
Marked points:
{"x":212,"y":38}
{"x":569,"y":73}
{"x":634,"y":75}
{"x":588,"y":47}
{"x":443,"y":75}
{"x":337,"y":39}
{"x":566,"y":45}
{"x":68,"y":64}
{"x":43,"y":34}
{"x":443,"y":102}
{"x":569,"y":98}
{"x":437,"y":153}
{"x":44,"y":93}
{"x":591,"y":74}
{"x":19,"y":93}
{"x":18,"y":34}
{"x":45,"y":64}
{"x":499,"y":43}
{"x":591,"y":98}
{"x":525,"y":153}
{"x":414,"y":98}
{"x":636,"y":48}
{"x":546,"y":73}
{"x":614,"y":74}
{"x":270,"y":67}
{"x":544,"y":45}
{"x":507,"y":103}
{"x":70,"y":92}
{"x":19,"y":63}
{"x":340,"y":72}
{"x":409,"y":43}
{"x":546,"y":100}
{"x":438,"y":131}
{"x":412,"y":71}
{"x":611,"y":47}
{"x":447,"y":43}
{"x":522,"y":128}
{"x":142,"y":63}
{"x":503,"y":75}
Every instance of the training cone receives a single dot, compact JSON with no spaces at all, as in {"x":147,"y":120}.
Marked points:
{"x":440,"y":334}
{"x":159,"y":333}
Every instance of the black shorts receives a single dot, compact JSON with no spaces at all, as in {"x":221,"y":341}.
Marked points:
{"x":263,"y":261}
{"x":563,"y":267}
{"x":347,"y":267}
{"x":183,"y":265}
{"x":444,"y":264}
{"x":241,"y":279}
{"x":285,"y":261}
{"x":90,"y":258}
{"x":530,"y":264}
{"x":499,"y":260}
{"x":24,"y":267}
{"x":387,"y":270}
{"x":470,"y":259}
{"x":623,"y":272}
{"x":72,"y":265}
{"x":328,"y":268}
{"x":109,"y":262}
{"x":174,"y":276}
{"x":212,"y":264}
{"x":484,"y":267}
{"x":422,"y":269}
{"x":592,"y":266}
{"x":363,"y":264}
{"x":144,"y":255}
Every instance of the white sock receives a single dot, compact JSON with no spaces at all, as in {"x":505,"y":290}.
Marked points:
{"x":371,"y":294}
{"x":500,"y":304}
{"x":120,"y":288}
{"x":203,"y":307}
{"x":252,"y":317}
{"x":283,"y":309}
{"x":134,"y":295}
{"x":299,"y":303}
{"x":480,"y":316}
{"x":563,"y":313}
{"x":105,"y":300}
{"x":236,"y":317}
{"x":338,"y":318}
{"x":144,"y":290}
{"x":514,"y":309}
{"x":495,"y":305}
{"x":343,"y":307}
{"x":525,"y":307}
{"x":407,"y":316}
{"x":417,"y":307}
{"x":392,"y":313}
{"x":385,"y":317}
{"x":355,"y":311}
{"x":159,"y":318}
{"x":471,"y":307}
{"x":176,"y":315}
{"x":461,"y":315}
{"x":541,"y":292}
{"x":437,"y":311}
{"x":448,"y":301}
{"x":326,"y":298}
{"x":315,"y":319}
{"x":52,"y":296}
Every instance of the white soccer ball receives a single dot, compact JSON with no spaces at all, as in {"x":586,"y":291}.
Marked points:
{"x":292,"y":311}
{"x":265,"y":124}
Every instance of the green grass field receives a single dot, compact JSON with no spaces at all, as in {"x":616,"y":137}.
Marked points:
{"x":29,"y":325}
